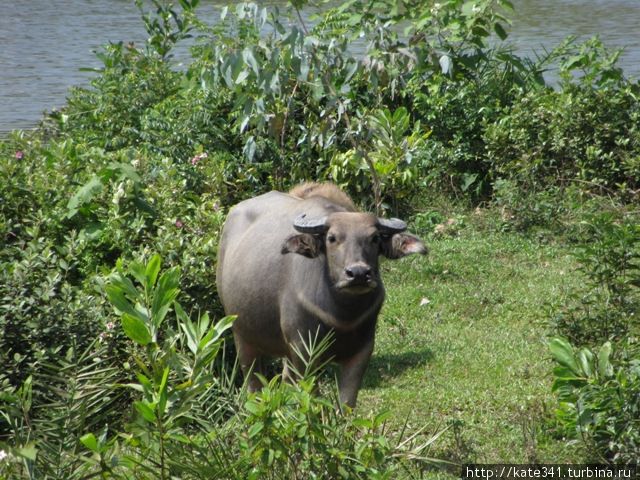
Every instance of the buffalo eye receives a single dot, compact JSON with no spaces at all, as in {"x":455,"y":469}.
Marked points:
{"x":375,"y":239}
{"x":331,"y":238}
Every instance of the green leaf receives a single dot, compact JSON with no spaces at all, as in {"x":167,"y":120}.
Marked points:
{"x":92,"y":231}
{"x":89,"y":440}
{"x":146,"y":411}
{"x":146,"y":384}
{"x":250,"y":59}
{"x":136,"y":329}
{"x":116,"y":296}
{"x":164,"y":295}
{"x":585,"y":361}
{"x":223,"y":325}
{"x":562,"y":352}
{"x":249,"y":149}
{"x":126,"y":171}
{"x":187,"y":326}
{"x":351,"y":70}
{"x":605,"y":369}
{"x":28,"y":451}
{"x":446,"y":64}
{"x":468,"y":179}
{"x":170,"y":279}
{"x":253,"y":407}
{"x":363,"y":423}
{"x":500,"y":31}
{"x":381,"y":418}
{"x":138,"y":270}
{"x":255,"y":429}
{"x":242,"y":76}
{"x":210,"y":342}
{"x":152,"y":270}
{"x":84,"y":195}
{"x":574,"y":62}
{"x":162,"y":403}
{"x":203,"y":323}
{"x":507,"y":5}
{"x":126,"y":286}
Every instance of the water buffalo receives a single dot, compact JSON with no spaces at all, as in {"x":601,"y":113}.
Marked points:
{"x":295,"y":264}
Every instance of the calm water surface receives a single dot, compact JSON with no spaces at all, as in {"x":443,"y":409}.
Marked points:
{"x":43,"y":43}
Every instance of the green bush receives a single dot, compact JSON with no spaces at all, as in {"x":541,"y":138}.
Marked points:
{"x":42,"y":309}
{"x":586,"y":132}
{"x":73,"y":217}
{"x":295,"y":104}
{"x":110,"y":115}
{"x":149,"y":157}
{"x":172,"y":411}
{"x":598,"y":394}
{"x":599,"y":400}
{"x":606,"y":307}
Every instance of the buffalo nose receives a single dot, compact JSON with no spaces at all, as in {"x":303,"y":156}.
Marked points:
{"x":358,"y":273}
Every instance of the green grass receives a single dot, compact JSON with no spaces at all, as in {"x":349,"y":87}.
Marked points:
{"x":474,"y":357}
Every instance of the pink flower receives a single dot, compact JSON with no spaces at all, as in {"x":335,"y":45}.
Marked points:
{"x":19,"y":155}
{"x":179,"y":223}
{"x":198,"y":157}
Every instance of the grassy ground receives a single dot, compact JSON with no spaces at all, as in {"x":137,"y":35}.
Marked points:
{"x":462,"y":343}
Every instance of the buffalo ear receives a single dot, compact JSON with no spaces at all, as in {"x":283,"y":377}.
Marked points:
{"x":303,"y":244}
{"x":401,"y":245}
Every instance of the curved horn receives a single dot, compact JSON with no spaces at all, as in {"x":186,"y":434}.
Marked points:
{"x":391,"y":225}
{"x":310,"y":225}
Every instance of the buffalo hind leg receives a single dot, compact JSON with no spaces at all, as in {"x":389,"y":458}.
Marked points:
{"x":250,"y":363}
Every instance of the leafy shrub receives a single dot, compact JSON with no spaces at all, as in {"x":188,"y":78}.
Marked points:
{"x":606,"y":308}
{"x":523,"y":210}
{"x":391,"y":166}
{"x":109,"y":115}
{"x":583,"y":133}
{"x":177,"y":389}
{"x":599,"y":400}
{"x":42,"y":420}
{"x":291,"y":433}
{"x":148,"y":158}
{"x":42,"y":309}
{"x":598,"y":397}
{"x":286,"y":103}
{"x":73,"y":217}
{"x":309,"y":99}
{"x":183,"y":416}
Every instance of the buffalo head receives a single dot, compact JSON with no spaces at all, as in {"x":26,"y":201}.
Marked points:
{"x":352,"y":243}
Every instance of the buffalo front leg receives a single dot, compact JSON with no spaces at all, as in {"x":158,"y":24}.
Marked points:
{"x":250,"y":363}
{"x":351,"y":374}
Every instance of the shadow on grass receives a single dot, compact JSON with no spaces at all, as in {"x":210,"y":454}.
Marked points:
{"x":388,"y":365}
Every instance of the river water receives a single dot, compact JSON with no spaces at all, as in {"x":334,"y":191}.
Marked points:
{"x":43,"y":43}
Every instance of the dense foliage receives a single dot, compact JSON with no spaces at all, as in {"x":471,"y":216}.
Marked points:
{"x":598,"y":400}
{"x":148,"y":158}
{"x":599,"y":390}
{"x":189,"y":421}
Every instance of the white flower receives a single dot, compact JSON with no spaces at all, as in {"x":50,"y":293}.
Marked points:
{"x":3,"y":455}
{"x":119,"y":194}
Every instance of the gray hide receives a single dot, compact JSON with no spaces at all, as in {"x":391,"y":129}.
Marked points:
{"x":285,"y":283}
